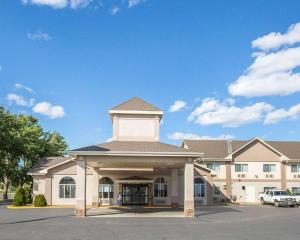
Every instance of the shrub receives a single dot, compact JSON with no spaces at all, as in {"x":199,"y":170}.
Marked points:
{"x":28,"y":196}
{"x":19,"y":199}
{"x":288,"y":191}
{"x":40,"y":201}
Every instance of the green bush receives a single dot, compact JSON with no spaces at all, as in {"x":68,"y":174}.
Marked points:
{"x":19,"y":199}
{"x":28,"y":196}
{"x":40,"y":201}
{"x":288,"y":191}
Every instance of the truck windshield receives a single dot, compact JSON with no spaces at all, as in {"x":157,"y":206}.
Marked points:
{"x":280,"y":193}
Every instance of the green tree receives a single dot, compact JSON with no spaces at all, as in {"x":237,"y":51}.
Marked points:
{"x":22,"y":143}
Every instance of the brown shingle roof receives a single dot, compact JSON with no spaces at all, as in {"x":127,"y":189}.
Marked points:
{"x":218,"y":148}
{"x":47,"y":162}
{"x":133,"y":146}
{"x":136,"y":104}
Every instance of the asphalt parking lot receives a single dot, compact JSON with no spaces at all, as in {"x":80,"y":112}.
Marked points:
{"x":216,"y":222}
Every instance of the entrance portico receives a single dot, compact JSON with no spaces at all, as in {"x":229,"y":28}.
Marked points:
{"x":136,"y":179}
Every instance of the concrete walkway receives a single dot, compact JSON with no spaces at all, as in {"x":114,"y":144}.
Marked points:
{"x":135,"y":212}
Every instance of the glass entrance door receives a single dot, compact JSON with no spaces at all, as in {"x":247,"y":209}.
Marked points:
{"x":135,"y":194}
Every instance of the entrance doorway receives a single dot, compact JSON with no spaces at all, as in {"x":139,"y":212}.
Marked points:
{"x":135,"y":194}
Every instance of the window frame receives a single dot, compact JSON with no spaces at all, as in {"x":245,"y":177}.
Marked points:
{"x":214,"y":166}
{"x":67,"y":190}
{"x":219,"y":191}
{"x":106,"y":188}
{"x":297,"y":168}
{"x":199,"y":188}
{"x":243,"y":167}
{"x":267,"y":168}
{"x":160,"y":188}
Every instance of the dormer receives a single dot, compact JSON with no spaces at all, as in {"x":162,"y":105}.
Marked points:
{"x":135,"y":120}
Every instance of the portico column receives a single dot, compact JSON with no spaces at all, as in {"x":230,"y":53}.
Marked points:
{"x":95,"y":196}
{"x":80,"y":208}
{"x":174,"y":196}
{"x":189,"y":207}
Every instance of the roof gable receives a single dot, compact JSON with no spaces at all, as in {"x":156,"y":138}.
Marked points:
{"x":135,"y":104}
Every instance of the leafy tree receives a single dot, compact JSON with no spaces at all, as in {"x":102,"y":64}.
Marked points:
{"x":22,"y":143}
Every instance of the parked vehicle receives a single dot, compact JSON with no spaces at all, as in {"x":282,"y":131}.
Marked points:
{"x":277,"y":198}
{"x":297,"y":196}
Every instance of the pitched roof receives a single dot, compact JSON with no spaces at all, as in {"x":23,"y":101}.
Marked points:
{"x":134,"y":146}
{"x":136,"y":104}
{"x":47,"y":162}
{"x":219,"y":148}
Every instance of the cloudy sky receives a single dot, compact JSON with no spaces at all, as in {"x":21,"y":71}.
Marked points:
{"x":218,"y":69}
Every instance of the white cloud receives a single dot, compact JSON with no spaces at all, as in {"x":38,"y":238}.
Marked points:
{"x":19,"y":100}
{"x":271,"y":73}
{"x":59,"y":3}
{"x":109,"y":140}
{"x":276,"y":39}
{"x":114,"y":10}
{"x":133,"y":3}
{"x":46,"y":108}
{"x":213,"y":112}
{"x":20,"y":86}
{"x":39,"y":36}
{"x":50,"y":3}
{"x":192,"y":136}
{"x":281,"y":114}
{"x":177,"y":106}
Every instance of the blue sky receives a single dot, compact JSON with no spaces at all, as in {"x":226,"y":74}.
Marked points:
{"x":67,"y":62}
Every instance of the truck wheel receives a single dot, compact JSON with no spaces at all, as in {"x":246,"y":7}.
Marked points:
{"x":276,"y":203}
{"x":262,"y":202}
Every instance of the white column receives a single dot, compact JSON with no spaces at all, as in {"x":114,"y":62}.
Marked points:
{"x":80,"y":209}
{"x":95,"y":196}
{"x":174,"y":195}
{"x":189,"y":207}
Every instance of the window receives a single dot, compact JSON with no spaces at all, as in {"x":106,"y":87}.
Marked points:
{"x":267,"y":168}
{"x":106,"y":188}
{"x":241,"y":167}
{"x":67,"y":188}
{"x":213,"y":166}
{"x":295,"y":167}
{"x":295,"y":189}
{"x":217,"y":191}
{"x":199,"y":188}
{"x":160,"y":188}
{"x":269,"y":188}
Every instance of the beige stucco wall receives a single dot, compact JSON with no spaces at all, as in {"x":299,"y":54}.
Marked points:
{"x":241,"y":195}
{"x":136,"y":128}
{"x":38,"y":185}
{"x":256,"y":152}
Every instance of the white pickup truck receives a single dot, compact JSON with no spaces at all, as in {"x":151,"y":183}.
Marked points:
{"x":277,"y":198}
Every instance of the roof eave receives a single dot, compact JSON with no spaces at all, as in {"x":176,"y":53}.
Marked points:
{"x":131,"y":153}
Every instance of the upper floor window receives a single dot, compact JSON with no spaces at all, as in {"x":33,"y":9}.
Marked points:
{"x":295,"y":167}
{"x":213,"y":166}
{"x":267,"y":168}
{"x":241,"y":167}
{"x":160,"y":188}
{"x":67,"y":188}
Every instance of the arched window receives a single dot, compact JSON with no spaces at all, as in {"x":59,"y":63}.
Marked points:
{"x":106,"y":188}
{"x":67,"y":188}
{"x":160,"y":188}
{"x":199,"y":188}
